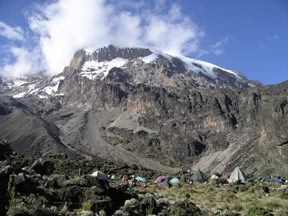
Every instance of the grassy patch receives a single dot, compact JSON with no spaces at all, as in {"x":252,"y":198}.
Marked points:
{"x":86,"y":205}
{"x":257,"y":210}
{"x":284,"y":196}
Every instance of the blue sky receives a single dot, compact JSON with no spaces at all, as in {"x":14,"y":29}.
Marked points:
{"x":250,"y":36}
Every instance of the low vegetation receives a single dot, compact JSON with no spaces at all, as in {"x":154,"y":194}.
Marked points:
{"x":5,"y":149}
{"x":52,"y":186}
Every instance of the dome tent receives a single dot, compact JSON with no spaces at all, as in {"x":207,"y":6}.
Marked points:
{"x":162,"y":179}
{"x":140,"y":178}
{"x":199,"y":177}
{"x":99,"y":175}
{"x":237,"y":174}
{"x":175,"y":180}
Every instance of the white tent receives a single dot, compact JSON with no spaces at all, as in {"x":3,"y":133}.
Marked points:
{"x":214,"y":177}
{"x":99,"y":175}
{"x":237,"y":174}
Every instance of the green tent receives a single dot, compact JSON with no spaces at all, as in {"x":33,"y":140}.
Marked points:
{"x":199,"y":177}
{"x":141,"y":179}
{"x":174,"y":180}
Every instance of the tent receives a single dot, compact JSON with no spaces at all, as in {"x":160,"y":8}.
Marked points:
{"x":125,"y":178}
{"x":214,"y":177}
{"x":162,"y":179}
{"x":199,"y":177}
{"x":175,"y":180}
{"x":99,"y":175}
{"x":140,"y":179}
{"x":237,"y":174}
{"x":113,"y":177}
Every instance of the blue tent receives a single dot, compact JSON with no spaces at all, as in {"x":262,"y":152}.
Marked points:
{"x":113,"y":177}
{"x":140,"y":179}
{"x":175,"y":180}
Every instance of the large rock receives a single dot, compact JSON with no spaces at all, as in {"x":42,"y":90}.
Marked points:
{"x":77,"y":181}
{"x":261,"y":189}
{"x":185,"y":207}
{"x":74,"y":194}
{"x":43,"y":167}
{"x":56,"y":181}
{"x":149,"y":204}
{"x":21,"y":183}
{"x":163,"y":204}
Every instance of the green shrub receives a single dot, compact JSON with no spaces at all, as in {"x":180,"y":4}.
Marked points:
{"x":284,"y":196}
{"x":257,"y":210}
{"x":5,"y":149}
{"x":237,"y":207}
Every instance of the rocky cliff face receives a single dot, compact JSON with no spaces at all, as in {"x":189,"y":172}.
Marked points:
{"x":141,"y":107}
{"x":142,"y":66}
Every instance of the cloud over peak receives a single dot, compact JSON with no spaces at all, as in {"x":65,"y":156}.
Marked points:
{"x":60,"y":28}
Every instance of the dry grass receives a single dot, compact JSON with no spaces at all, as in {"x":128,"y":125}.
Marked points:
{"x":224,"y":198}
{"x":86,"y":205}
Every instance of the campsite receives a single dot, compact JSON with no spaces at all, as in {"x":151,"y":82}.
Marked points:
{"x":51,"y":186}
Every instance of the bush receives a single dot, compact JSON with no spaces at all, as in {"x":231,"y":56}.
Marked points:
{"x":284,"y":196}
{"x":5,"y":149}
{"x":257,"y":210}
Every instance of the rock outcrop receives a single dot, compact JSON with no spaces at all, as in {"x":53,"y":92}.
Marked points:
{"x":152,"y":112}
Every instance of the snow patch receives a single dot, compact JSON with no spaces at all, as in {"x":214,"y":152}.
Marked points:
{"x":94,"y":69}
{"x":20,"y":95}
{"x":192,"y":65}
{"x":154,"y":56}
{"x":57,"y":79}
{"x":19,"y":82}
{"x":202,"y":66}
{"x":51,"y":89}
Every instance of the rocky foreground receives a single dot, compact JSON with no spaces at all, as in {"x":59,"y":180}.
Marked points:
{"x":53,"y":186}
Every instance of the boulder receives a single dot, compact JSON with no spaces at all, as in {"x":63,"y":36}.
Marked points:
{"x":55,"y":181}
{"x":74,"y":194}
{"x":36,"y":166}
{"x":43,"y":167}
{"x":243,"y":188}
{"x":101,"y":204}
{"x":5,"y":172}
{"x":78,"y":182}
{"x":261,"y":189}
{"x":47,"y":167}
{"x":121,"y":213}
{"x":132,"y":205}
{"x":185,"y":207}
{"x":163,"y":204}
{"x":148,"y":203}
{"x":85,"y":213}
{"x":21,"y":183}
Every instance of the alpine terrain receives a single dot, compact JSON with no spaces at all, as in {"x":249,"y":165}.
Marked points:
{"x":144,"y":107}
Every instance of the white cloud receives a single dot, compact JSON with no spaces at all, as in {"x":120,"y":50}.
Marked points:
{"x":65,"y":26}
{"x":12,"y":33}
{"x":25,"y":63}
{"x":217,"y":48}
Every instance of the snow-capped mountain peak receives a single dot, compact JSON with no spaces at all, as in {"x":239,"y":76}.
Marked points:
{"x":134,"y":66}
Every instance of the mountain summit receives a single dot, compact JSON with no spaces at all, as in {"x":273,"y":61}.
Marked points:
{"x":131,"y":65}
{"x":144,"y":66}
{"x":150,"y":109}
